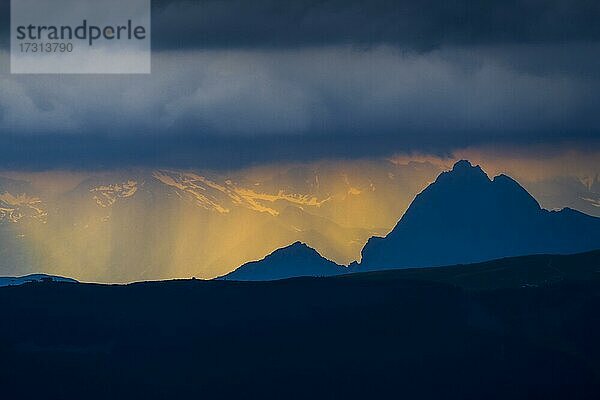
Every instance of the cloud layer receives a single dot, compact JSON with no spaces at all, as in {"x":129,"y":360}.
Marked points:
{"x":266,"y":80}
{"x":433,"y":101}
{"x":419,"y":25}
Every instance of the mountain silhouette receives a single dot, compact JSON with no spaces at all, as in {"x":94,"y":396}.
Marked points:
{"x":21,"y":280}
{"x":294,"y":260}
{"x":466,"y":217}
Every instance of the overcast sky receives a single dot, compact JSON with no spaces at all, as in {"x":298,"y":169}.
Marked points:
{"x":237,"y":82}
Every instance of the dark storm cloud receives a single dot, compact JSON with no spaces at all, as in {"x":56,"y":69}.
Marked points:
{"x":183,"y":151}
{"x":242,"y":82}
{"x":4,"y":24}
{"x":233,"y":108}
{"x":422,"y":24}
{"x":93,"y":152}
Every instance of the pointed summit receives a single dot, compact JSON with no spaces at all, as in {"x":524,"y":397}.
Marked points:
{"x":295,"y":260}
{"x":464,"y":169}
{"x":465,"y":217}
{"x":462,"y":165}
{"x":296,"y":247}
{"x":462,"y":176}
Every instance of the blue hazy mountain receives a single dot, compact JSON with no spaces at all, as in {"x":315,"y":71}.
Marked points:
{"x":463,"y":217}
{"x":16,"y":281}
{"x":466,"y":217}
{"x":294,"y":260}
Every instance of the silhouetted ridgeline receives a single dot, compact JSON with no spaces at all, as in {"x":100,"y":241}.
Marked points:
{"x":12,"y":281}
{"x":519,"y":328}
{"x":463,"y":217}
{"x":294,"y":260}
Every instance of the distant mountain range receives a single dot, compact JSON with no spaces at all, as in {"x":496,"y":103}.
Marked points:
{"x":142,"y":224}
{"x":133,"y":225}
{"x":463,"y":217}
{"x":16,"y":281}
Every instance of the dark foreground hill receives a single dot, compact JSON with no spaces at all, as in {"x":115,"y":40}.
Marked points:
{"x":515,"y":328}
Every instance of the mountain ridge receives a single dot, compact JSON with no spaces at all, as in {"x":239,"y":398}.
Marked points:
{"x":466,"y":217}
{"x":32,"y":278}
{"x":463,"y":217}
{"x":144,"y":228}
{"x":297,"y":259}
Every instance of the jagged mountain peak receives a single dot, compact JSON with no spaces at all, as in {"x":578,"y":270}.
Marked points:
{"x":465,"y":217}
{"x":465,"y":171}
{"x":469,"y":188}
{"x":463,"y":165}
